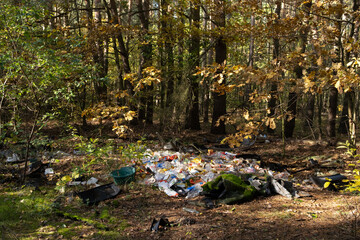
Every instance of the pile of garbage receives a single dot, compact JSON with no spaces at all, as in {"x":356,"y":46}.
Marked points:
{"x":222,"y":175}
{"x":227,"y":176}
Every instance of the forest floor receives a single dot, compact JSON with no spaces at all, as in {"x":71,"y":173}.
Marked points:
{"x":28,"y":212}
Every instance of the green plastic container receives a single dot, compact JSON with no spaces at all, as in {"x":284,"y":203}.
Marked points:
{"x":123,"y":175}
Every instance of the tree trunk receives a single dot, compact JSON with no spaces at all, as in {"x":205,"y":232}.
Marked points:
{"x":126,"y":84}
{"x":309,"y":111}
{"x":168,"y":42}
{"x":276,"y":55}
{"x":219,"y":104}
{"x":146,"y":99}
{"x":208,"y":61}
{"x":192,"y":120}
{"x":170,"y":74}
{"x":292,"y":102}
{"x":352,"y":120}
{"x":319,"y":118}
{"x":352,"y":109}
{"x":99,"y":55}
{"x":344,"y":120}
{"x":333,"y":98}
{"x":290,"y":119}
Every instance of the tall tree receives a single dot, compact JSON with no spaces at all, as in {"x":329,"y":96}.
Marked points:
{"x":98,"y":47}
{"x":146,"y":101}
{"x":333,"y":96}
{"x":298,"y":69}
{"x":192,"y":120}
{"x":219,"y":98}
{"x":123,"y":50}
{"x":348,"y":98}
{"x":276,"y":56}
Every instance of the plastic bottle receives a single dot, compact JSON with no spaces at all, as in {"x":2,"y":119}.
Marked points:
{"x":208,"y":176}
{"x":173,"y":181}
{"x":151,"y":167}
{"x":170,"y":192}
{"x":194,"y":191}
{"x":207,"y":167}
{"x":159,"y":176}
{"x":190,"y":210}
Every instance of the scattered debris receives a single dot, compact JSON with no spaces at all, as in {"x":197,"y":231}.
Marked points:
{"x":95,"y":195}
{"x":313,"y":163}
{"x":190,"y":210}
{"x":158,"y":225}
{"x":333,"y":182}
{"x":124,"y":175}
{"x":230,"y":189}
{"x":49,"y":171}
{"x":60,"y":154}
{"x":185,"y":221}
{"x":284,"y":188}
{"x":12,"y":157}
{"x":37,"y":169}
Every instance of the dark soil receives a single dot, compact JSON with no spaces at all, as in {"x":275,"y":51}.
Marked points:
{"x":322,"y":215}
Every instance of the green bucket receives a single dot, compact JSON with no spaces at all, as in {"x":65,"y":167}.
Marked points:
{"x":123,"y":175}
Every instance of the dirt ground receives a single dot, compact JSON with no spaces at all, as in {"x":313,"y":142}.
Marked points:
{"x":322,"y":214}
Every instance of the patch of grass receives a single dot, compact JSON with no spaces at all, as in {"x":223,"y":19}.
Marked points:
{"x":276,"y":214}
{"x":105,"y":214}
{"x":285,"y":215}
{"x":22,"y":211}
{"x":109,"y":235}
{"x":67,"y":232}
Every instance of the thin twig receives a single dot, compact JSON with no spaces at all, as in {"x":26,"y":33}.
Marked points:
{"x":28,"y":147}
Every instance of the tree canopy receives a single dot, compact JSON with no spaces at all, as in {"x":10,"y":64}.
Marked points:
{"x":252,"y":65}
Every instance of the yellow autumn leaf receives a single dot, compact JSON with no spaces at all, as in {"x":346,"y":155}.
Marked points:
{"x":272,"y":124}
{"x":246,"y":115}
{"x":220,"y":78}
{"x":350,"y":64}
{"x":129,"y":115}
{"x":66,"y":178}
{"x":319,"y":61}
{"x":327,"y":184}
{"x":337,"y":84}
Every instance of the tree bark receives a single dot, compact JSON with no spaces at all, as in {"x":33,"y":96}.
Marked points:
{"x":292,"y":102}
{"x":146,"y":100}
{"x":290,"y":119}
{"x":309,"y":111}
{"x":333,"y":98}
{"x":99,"y":55}
{"x":276,"y":55}
{"x":319,"y":117}
{"x":344,"y":120}
{"x":219,"y":104}
{"x":124,"y":53}
{"x":345,"y":115}
{"x":192,"y":120}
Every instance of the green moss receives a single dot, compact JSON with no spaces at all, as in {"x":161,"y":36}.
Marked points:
{"x":104,"y":214}
{"x":67,"y":232}
{"x":109,"y":235}
{"x":22,"y":212}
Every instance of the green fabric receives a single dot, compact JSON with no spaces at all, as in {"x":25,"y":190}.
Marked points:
{"x":236,"y":190}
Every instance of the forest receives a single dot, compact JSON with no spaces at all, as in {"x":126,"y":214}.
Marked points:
{"x":91,"y":86}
